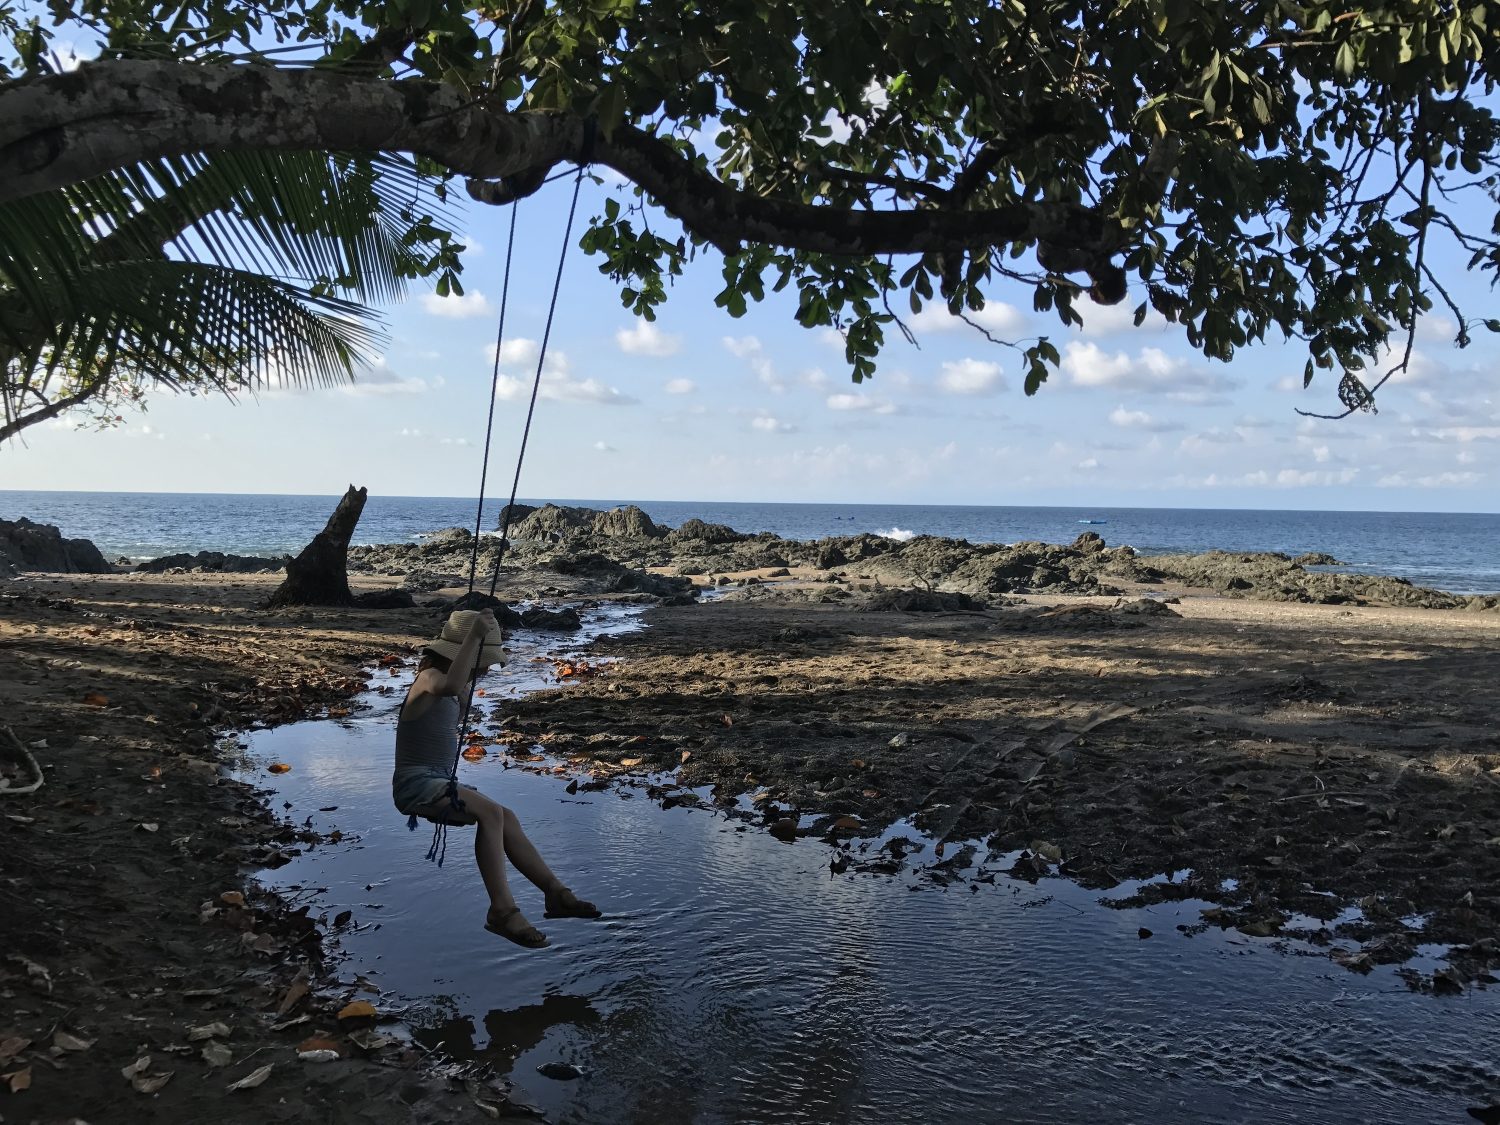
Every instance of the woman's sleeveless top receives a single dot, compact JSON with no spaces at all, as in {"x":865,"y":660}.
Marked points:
{"x":430,"y":741}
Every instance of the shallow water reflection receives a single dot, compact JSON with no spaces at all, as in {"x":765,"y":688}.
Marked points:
{"x":736,"y":979}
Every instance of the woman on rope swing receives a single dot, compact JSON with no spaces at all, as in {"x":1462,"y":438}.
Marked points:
{"x":424,"y":783}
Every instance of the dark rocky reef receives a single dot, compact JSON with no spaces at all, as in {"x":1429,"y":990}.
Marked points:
{"x":613,"y":549}
{"x":216,"y":562}
{"x":28,"y":546}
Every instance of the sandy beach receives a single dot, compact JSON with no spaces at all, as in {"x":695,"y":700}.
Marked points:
{"x":1298,"y":759}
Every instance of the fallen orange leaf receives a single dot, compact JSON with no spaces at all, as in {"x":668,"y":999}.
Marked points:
{"x":474,"y":754}
{"x":95,"y":699}
{"x":17,"y":1080}
{"x":279,"y":767}
{"x":357,"y":1010}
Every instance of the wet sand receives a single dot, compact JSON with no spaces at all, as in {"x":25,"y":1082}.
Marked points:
{"x":1299,"y":759}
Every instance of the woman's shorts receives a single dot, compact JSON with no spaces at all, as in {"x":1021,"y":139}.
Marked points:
{"x":416,"y":788}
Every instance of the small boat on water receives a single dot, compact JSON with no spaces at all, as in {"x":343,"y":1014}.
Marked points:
{"x":1093,"y":521}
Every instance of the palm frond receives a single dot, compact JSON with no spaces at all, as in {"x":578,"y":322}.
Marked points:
{"x":224,"y":270}
{"x":189,"y":326}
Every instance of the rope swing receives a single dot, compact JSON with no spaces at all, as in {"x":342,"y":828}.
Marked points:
{"x":437,"y":851}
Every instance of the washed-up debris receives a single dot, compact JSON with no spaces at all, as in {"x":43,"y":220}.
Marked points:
{"x":253,"y":1079}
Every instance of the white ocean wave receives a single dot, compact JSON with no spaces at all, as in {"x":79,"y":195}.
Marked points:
{"x":897,"y":534}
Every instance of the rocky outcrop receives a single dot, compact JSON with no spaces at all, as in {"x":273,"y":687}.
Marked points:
{"x":552,"y":522}
{"x":612,"y":550}
{"x":213,"y":561}
{"x":620,"y":579}
{"x":28,"y":546}
{"x":697,"y":531}
{"x":1276,"y":577}
{"x":624,"y":522}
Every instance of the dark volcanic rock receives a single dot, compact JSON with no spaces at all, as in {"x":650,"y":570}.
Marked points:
{"x":1316,"y":558}
{"x":1089,"y":543}
{"x":512,"y":514}
{"x":40,"y":546}
{"x":696,"y":529}
{"x":553,"y":521}
{"x":449,"y":538}
{"x":829,"y":557}
{"x":552,"y":620}
{"x":627,"y":521}
{"x":612,"y":551}
{"x":214,"y":561}
{"x":1276,"y":577}
{"x":385,"y":599}
{"x":922,"y":601}
{"x":1146,"y":607}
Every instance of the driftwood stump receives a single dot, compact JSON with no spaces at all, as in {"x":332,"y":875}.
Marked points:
{"x":320,"y":574}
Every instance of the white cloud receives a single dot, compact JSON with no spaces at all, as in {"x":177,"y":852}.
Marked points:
{"x":861,"y":402}
{"x":971,"y":377}
{"x":1465,"y":434}
{"x":519,"y":350}
{"x":1305,"y":478}
{"x":1140,"y":420}
{"x":743,"y":347}
{"x":458,"y":441}
{"x":644,"y":338}
{"x":559,"y":384}
{"x":1432,"y":480}
{"x":472,"y":303}
{"x":680,"y":386}
{"x":1151,"y":371}
{"x":769,"y":425}
{"x":378,"y":378}
{"x":996,"y":317}
{"x":750,"y":350}
{"x":1088,"y":464}
{"x":604,"y":447}
{"x":1114,"y":320}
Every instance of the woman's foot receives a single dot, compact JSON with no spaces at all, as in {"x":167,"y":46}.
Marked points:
{"x":512,"y":925}
{"x":563,"y":903}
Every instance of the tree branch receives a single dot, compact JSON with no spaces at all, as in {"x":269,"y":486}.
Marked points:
{"x":63,"y":128}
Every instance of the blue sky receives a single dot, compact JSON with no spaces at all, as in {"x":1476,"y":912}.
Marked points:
{"x":703,"y":406}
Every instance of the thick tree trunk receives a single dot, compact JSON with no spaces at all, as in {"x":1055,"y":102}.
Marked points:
{"x":320,"y":574}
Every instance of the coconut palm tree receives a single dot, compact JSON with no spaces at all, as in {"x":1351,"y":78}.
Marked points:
{"x":222,"y":272}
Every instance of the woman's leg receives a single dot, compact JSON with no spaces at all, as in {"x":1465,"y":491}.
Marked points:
{"x":504,"y":917}
{"x":522,"y":852}
{"x":559,"y":900}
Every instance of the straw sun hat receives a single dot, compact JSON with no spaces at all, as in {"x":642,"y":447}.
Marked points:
{"x":457,"y":627}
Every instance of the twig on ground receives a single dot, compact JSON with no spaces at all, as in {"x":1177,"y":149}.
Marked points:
{"x":31,"y":764}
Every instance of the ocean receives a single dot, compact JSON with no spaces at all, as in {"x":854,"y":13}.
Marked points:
{"x":1458,"y":552}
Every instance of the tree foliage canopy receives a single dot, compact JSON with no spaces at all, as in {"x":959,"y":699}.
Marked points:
{"x":1253,"y":169}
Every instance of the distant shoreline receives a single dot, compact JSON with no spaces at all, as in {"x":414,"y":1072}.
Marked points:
{"x":1456,"y":552}
{"x":497,"y":502}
